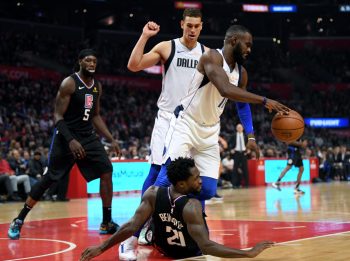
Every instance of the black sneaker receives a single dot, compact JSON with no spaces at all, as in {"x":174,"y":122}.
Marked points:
{"x":109,"y":228}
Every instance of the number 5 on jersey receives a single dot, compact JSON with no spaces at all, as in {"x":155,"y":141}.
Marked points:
{"x":86,"y":115}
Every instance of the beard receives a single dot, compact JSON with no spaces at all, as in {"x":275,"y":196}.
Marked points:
{"x":238,"y":54}
{"x":196,"y":192}
{"x":87,"y":73}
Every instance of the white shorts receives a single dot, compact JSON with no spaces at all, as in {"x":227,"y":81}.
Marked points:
{"x":160,"y":129}
{"x":187,"y":138}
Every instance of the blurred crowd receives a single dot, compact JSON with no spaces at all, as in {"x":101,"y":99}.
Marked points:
{"x":26,"y":111}
{"x":268,"y":63}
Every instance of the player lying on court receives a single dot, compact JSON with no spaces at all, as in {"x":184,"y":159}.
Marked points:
{"x":179,"y":227}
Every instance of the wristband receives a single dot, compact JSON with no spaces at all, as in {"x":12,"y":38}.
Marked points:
{"x":63,"y":129}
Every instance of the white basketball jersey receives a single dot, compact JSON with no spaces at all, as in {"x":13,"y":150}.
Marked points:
{"x":204,"y":103}
{"x":177,"y":74}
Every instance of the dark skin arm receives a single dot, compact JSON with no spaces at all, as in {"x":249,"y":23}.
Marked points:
{"x":142,"y":214}
{"x":63,"y":97}
{"x":210,"y":64}
{"x":192,"y":215}
{"x":101,"y":127}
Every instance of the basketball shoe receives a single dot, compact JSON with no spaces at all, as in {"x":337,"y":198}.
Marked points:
{"x":276,"y":185}
{"x":109,"y":228}
{"x":298,"y":191}
{"x":14,"y":231}
{"x":127,"y":249}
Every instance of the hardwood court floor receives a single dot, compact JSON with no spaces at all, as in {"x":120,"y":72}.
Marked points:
{"x":315,"y":226}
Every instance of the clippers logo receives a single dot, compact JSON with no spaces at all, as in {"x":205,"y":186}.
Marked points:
{"x":89,"y":99}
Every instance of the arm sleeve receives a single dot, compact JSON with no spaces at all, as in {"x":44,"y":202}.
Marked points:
{"x":245,"y":116}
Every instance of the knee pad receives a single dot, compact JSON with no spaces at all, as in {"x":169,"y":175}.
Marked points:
{"x":40,"y":187}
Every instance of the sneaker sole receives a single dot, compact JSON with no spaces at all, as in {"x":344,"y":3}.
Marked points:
{"x":13,"y":237}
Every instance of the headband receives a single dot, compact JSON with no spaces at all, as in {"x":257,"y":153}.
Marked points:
{"x":86,"y":52}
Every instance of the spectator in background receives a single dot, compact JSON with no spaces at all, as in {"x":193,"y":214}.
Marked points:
{"x":346,"y":161}
{"x":5,"y":173}
{"x":341,"y":162}
{"x":240,"y":168}
{"x":227,"y":163}
{"x":36,"y":168}
{"x":17,"y":164}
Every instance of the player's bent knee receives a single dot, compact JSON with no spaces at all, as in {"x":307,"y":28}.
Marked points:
{"x":40,"y":187}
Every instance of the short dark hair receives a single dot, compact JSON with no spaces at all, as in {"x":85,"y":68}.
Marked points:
{"x":236,"y":29}
{"x":179,"y":170}
{"x":191,"y":12}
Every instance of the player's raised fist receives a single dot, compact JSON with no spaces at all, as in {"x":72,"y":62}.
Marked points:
{"x":151,"y":29}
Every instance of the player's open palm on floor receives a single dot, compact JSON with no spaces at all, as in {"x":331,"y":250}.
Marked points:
{"x":259,"y":247}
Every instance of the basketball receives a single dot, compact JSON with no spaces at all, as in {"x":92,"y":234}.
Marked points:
{"x":287,"y":128}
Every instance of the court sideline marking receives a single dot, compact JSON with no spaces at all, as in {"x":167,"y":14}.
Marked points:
{"x":70,"y":248}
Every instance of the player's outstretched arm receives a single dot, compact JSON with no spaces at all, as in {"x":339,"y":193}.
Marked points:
{"x":142,"y":214}
{"x":195,"y":225}
{"x":210,"y":64}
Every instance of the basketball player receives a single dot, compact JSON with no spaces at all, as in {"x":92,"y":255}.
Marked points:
{"x":294,"y":158}
{"x":180,"y":229}
{"x":219,"y":76}
{"x":77,"y":116}
{"x":179,"y":58}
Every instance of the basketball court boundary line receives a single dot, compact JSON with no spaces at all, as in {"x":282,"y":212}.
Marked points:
{"x":70,"y":248}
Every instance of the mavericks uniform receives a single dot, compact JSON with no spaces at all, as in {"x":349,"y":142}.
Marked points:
{"x":170,"y":235}
{"x":294,"y":156}
{"x":177,"y":74}
{"x":78,"y":118}
{"x":197,"y":127}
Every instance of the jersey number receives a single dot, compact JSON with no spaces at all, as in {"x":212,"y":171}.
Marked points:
{"x":86,"y":115}
{"x":177,"y":238}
